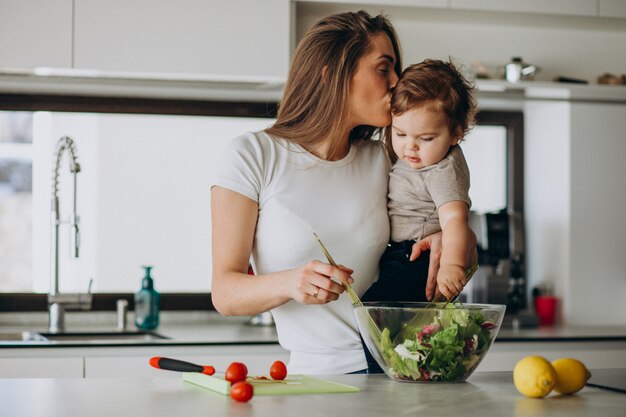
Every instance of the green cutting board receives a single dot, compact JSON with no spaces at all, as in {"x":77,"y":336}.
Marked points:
{"x":294,"y":384}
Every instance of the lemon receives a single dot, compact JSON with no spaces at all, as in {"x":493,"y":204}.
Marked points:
{"x":534,"y":376}
{"x":571,"y":375}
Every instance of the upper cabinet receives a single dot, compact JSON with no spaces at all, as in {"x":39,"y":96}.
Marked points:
{"x":35,"y":33}
{"x":612,"y":8}
{"x":232,"y":38}
{"x":562,"y":7}
{"x":588,"y":8}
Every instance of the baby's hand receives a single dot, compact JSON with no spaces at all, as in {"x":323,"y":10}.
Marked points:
{"x":450,"y":280}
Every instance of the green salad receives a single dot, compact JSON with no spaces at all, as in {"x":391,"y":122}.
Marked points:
{"x":445,"y":350}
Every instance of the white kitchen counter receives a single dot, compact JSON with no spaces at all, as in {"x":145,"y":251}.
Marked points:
{"x":209,"y":338}
{"x":485,"y":394}
{"x":211,"y":328}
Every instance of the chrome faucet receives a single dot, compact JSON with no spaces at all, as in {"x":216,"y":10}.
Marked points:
{"x":57,"y":302}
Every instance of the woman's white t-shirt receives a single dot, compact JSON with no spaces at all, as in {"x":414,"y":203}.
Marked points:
{"x":345,"y":203}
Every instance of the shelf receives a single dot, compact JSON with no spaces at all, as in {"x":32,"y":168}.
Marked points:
{"x":540,"y":90}
{"x":254,"y":89}
{"x":140,"y":85}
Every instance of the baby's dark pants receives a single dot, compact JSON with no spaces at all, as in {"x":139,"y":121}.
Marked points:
{"x":399,"y":280}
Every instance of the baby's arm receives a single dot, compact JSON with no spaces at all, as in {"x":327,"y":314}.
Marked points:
{"x":451,"y":277}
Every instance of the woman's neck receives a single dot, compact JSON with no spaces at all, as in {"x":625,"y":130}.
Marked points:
{"x":331,"y":148}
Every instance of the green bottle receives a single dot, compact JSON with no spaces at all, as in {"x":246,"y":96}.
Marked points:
{"x":147,"y":302}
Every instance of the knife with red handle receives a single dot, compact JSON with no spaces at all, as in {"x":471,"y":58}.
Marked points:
{"x":169,"y":364}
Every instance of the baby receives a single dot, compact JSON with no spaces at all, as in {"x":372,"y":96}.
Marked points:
{"x":432,"y":108}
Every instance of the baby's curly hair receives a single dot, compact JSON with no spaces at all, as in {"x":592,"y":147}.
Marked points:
{"x":436,"y":83}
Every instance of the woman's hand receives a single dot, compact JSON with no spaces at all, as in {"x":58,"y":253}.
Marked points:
{"x":314,"y":285}
{"x":432,"y":242}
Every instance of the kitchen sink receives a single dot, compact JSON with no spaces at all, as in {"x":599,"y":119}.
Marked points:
{"x":22,"y":337}
{"x":86,"y":336}
{"x":103,"y":336}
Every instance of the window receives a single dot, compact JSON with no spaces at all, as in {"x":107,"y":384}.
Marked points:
{"x":485,"y":151}
{"x":143,"y":197}
{"x":16,"y":201}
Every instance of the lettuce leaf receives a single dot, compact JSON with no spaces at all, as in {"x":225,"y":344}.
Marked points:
{"x":446,"y":349}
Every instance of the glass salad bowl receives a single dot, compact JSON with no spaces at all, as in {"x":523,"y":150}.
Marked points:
{"x":442,"y":342}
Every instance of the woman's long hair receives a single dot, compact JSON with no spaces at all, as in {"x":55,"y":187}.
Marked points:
{"x":314,"y":104}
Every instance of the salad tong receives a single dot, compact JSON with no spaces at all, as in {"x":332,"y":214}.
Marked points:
{"x":354,"y":298}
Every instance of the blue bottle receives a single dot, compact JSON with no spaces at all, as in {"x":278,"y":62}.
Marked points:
{"x":147,"y":303}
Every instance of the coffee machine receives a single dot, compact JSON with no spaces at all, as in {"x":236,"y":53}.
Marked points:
{"x":500,"y":277}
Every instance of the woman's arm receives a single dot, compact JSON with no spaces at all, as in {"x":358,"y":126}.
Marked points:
{"x":234,"y":292}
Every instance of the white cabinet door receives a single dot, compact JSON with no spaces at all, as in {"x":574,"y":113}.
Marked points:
{"x":236,"y":37}
{"x":35,"y":33}
{"x":612,"y":8}
{"x":129,"y":363}
{"x":559,"y":7}
{"x":595,"y":355}
{"x":41,"y":367}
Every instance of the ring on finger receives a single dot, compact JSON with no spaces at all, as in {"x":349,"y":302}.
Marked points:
{"x":317,"y":290}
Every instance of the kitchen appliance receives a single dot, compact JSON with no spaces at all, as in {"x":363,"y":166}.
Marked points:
{"x":500,"y":276}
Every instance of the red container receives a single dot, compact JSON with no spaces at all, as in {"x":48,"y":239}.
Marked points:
{"x":545,"y":307}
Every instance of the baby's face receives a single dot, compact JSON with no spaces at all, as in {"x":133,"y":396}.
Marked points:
{"x":421,"y":136}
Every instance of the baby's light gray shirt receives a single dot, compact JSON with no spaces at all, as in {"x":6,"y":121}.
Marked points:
{"x":416,"y":194}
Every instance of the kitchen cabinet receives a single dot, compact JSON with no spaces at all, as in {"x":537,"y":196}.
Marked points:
{"x":35,"y":33}
{"x":228,"y":38}
{"x":599,"y":354}
{"x":41,"y":367}
{"x":612,"y":8}
{"x":132,"y":361}
{"x":588,"y":8}
{"x":558,"y":7}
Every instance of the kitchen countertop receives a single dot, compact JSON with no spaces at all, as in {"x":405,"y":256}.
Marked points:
{"x":210,"y":328}
{"x":484,"y":394}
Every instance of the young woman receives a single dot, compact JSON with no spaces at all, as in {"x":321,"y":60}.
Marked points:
{"x":316,"y":169}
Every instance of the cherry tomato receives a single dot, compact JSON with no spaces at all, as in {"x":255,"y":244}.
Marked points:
{"x":241,"y":391}
{"x":236,"y":372}
{"x":278,"y":370}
